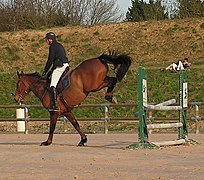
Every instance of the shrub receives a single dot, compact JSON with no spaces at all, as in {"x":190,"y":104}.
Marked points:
{"x":202,"y":26}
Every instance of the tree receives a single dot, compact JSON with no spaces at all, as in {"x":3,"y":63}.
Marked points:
{"x":190,"y":8}
{"x":90,"y":12}
{"x":102,"y":12}
{"x":23,"y":14}
{"x":171,"y":8}
{"x":142,"y":11}
{"x":136,"y":12}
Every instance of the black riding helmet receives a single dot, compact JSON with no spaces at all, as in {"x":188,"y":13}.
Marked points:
{"x":50,"y":35}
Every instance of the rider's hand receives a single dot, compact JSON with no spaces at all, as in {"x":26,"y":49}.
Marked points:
{"x":44,"y":73}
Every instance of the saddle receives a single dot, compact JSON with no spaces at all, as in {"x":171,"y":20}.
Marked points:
{"x":64,"y":81}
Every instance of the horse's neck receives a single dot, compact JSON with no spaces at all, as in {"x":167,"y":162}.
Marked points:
{"x":38,"y":87}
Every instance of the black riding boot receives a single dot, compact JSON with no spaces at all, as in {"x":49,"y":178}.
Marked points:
{"x":53,"y":97}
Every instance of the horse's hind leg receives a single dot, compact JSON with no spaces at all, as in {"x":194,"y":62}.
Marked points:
{"x":71,"y":118}
{"x":111,"y":84}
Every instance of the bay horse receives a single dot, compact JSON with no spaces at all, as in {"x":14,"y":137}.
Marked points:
{"x":89,"y":76}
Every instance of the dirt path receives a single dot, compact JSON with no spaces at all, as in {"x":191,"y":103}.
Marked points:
{"x":22,"y":158}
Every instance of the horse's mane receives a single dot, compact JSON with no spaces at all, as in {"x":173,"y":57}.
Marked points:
{"x":36,"y":75}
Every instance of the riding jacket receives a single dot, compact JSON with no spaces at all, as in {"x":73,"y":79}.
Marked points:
{"x":57,"y":56}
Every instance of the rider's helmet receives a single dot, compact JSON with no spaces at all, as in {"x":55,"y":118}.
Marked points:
{"x":50,"y":35}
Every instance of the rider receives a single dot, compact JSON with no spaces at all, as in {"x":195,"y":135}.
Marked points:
{"x":58,"y":61}
{"x":179,"y":65}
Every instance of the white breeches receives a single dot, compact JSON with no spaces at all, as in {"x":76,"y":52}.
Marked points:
{"x":174,"y":67}
{"x":180,"y":66}
{"x":56,"y":74}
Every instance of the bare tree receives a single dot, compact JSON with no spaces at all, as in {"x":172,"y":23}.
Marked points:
{"x":4,"y":16}
{"x":23,"y":14}
{"x":74,"y":10}
{"x":102,"y":11}
{"x":90,"y":12}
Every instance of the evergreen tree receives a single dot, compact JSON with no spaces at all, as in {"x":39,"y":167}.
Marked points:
{"x":142,"y":11}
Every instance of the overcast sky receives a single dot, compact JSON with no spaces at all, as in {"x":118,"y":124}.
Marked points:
{"x":124,"y":4}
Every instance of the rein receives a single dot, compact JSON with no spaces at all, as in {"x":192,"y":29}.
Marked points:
{"x":43,"y":95}
{"x":25,"y":92}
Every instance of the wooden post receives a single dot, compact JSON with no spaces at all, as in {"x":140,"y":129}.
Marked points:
{"x":150,"y":121}
{"x":26,"y":120}
{"x":106,"y":120}
{"x":197,"y":118}
{"x":65,"y":125}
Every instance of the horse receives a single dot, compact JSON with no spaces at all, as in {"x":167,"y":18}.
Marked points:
{"x":89,"y":76}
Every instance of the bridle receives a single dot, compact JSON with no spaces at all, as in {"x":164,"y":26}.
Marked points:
{"x":22,"y":93}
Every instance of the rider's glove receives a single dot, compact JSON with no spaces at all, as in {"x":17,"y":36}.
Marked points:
{"x":44,"y":73}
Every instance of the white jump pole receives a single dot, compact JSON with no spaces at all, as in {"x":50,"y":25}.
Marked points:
{"x":166,"y":125}
{"x":167,"y":103}
{"x":163,"y":108}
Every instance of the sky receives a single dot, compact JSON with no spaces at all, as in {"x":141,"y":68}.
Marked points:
{"x":124,"y":4}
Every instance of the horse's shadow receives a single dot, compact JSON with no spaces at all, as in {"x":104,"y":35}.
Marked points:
{"x":19,"y":143}
{"x":117,"y":145}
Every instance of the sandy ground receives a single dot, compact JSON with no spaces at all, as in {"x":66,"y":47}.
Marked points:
{"x":104,"y":157}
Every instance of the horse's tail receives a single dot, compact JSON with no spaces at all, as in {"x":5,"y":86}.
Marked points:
{"x":121,"y":63}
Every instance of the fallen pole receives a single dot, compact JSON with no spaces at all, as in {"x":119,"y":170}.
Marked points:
{"x":169,"y":143}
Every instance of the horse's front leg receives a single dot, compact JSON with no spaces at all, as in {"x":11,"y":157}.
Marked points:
{"x":53,"y":121}
{"x":71,"y":118}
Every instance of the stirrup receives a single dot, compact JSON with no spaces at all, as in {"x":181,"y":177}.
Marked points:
{"x":53,"y":108}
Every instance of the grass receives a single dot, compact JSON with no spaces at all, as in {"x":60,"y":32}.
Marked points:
{"x":162,"y":86}
{"x":150,"y":44}
{"x":202,"y":26}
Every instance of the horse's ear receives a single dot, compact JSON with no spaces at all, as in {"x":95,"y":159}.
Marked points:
{"x":18,"y":74}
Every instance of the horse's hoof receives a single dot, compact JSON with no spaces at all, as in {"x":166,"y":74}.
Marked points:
{"x":81,"y":143}
{"x":114,"y":100}
{"x":45,"y":143}
{"x":111,"y":99}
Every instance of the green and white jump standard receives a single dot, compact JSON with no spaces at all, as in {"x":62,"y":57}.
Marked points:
{"x":143,"y":106}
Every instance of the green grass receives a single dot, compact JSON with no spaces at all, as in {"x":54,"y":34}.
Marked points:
{"x":11,"y":53}
{"x":150,"y":44}
{"x":162,"y":86}
{"x":96,"y":33}
{"x":202,"y":26}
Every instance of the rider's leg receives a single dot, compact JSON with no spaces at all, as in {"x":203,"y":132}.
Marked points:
{"x":180,"y":66}
{"x":174,"y":67}
{"x":53,"y":96}
{"x":54,"y":81}
{"x":169,"y":67}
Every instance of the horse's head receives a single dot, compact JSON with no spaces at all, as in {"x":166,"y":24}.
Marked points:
{"x":22,"y":88}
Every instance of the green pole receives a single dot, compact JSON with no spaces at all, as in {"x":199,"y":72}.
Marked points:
{"x":142,"y":129}
{"x":183,"y":101}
